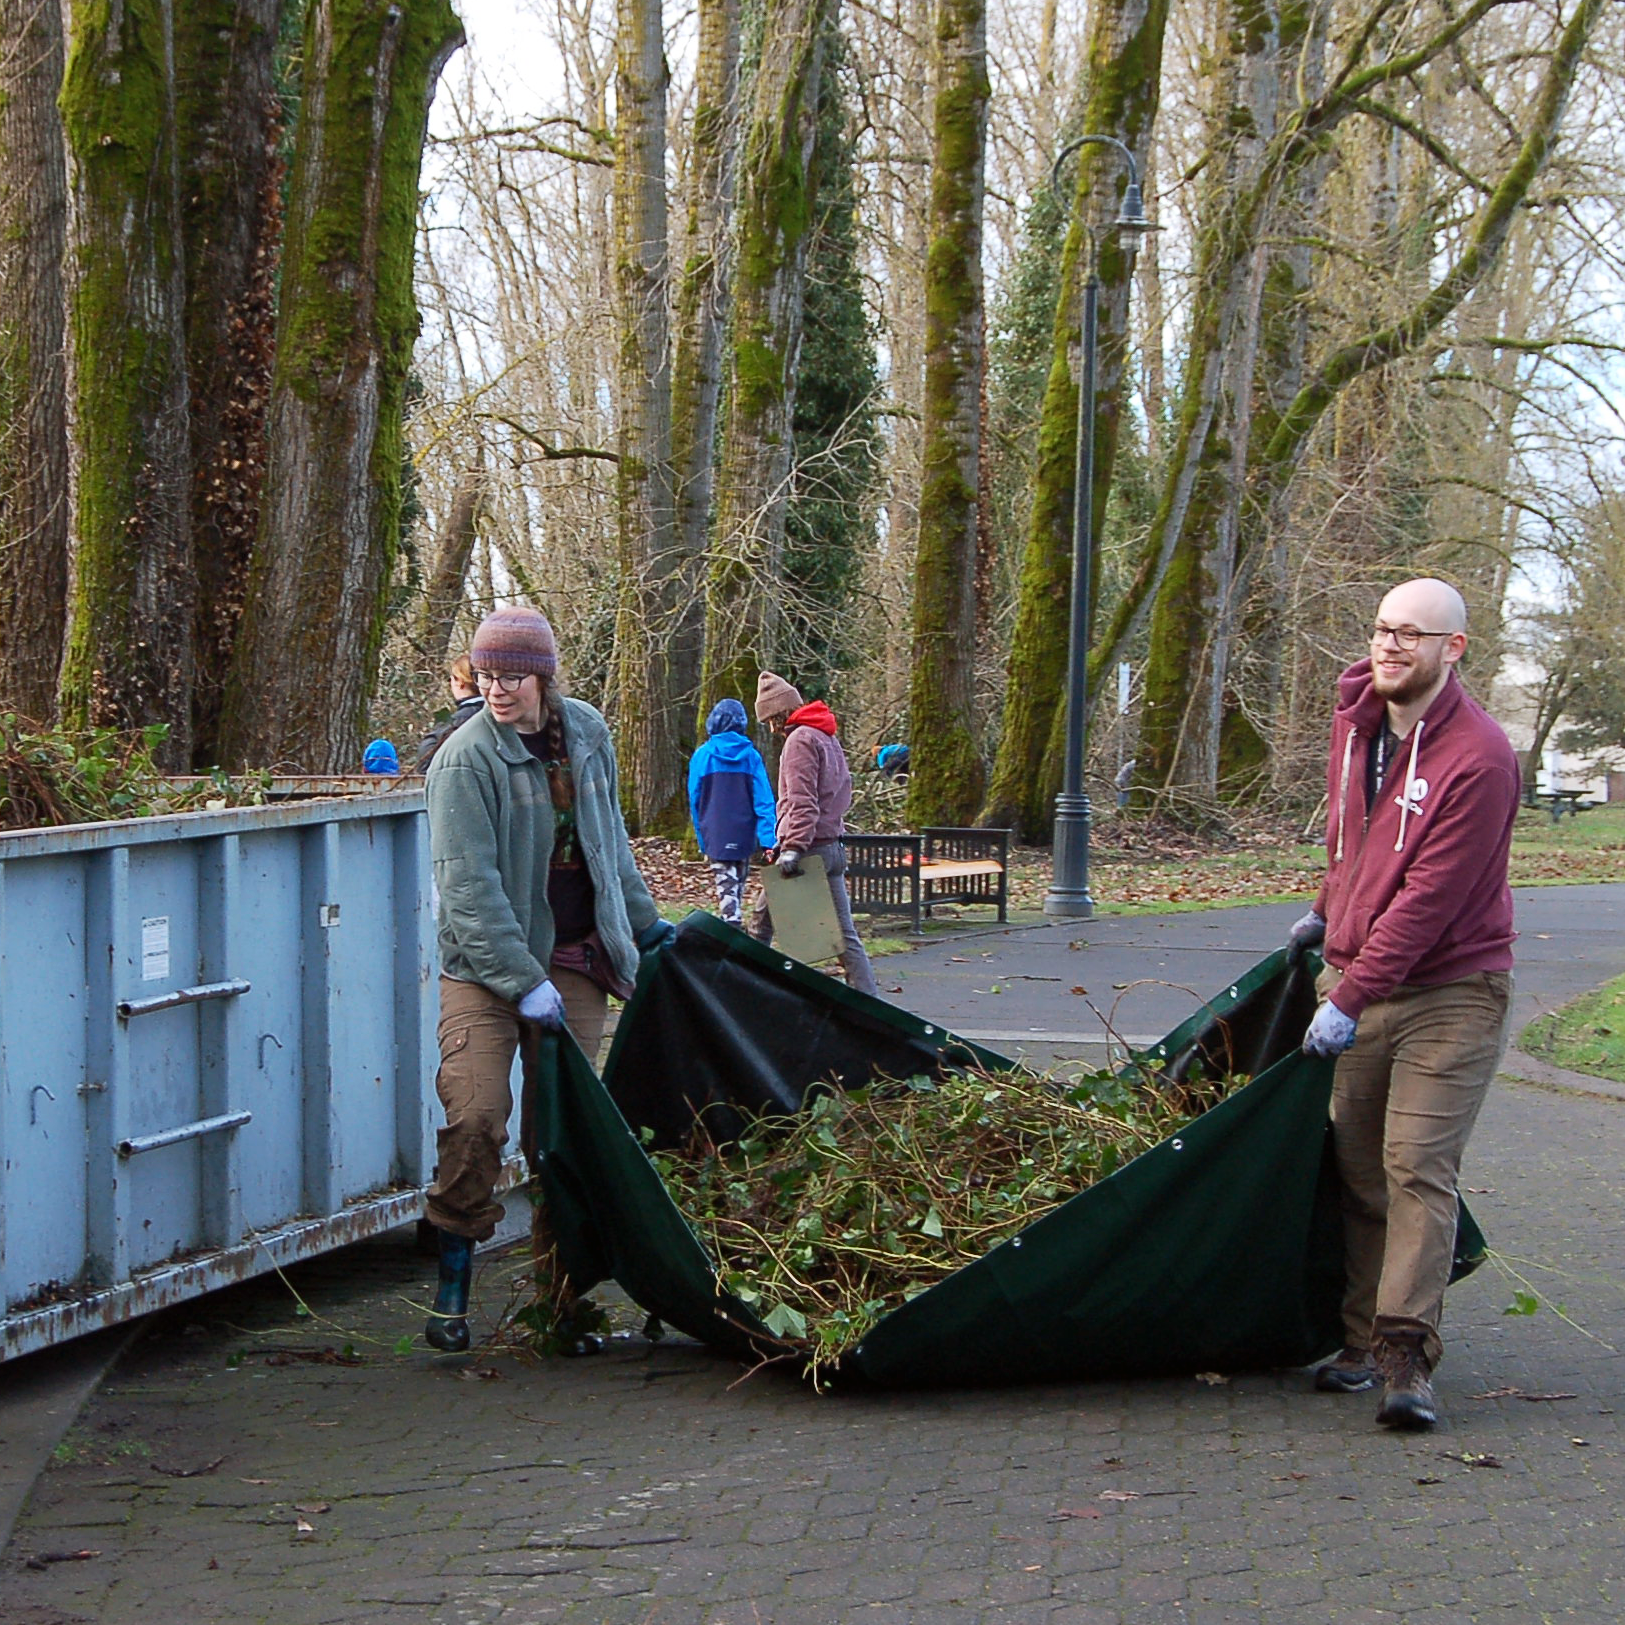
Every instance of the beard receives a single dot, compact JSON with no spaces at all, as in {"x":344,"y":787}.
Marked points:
{"x":1411,"y":683}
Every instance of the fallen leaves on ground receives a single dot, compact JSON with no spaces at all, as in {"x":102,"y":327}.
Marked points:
{"x":190,"y":1472}
{"x":1518,"y":1393}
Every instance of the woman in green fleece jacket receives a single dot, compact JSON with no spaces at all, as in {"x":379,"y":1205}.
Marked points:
{"x":542,"y":914}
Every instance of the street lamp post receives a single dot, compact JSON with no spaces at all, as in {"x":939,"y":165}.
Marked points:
{"x":1069,"y":887}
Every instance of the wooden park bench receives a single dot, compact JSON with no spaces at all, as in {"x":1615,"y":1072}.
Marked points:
{"x":910,"y":874}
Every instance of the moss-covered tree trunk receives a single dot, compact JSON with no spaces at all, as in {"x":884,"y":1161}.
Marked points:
{"x":307,"y":655}
{"x":1124,"y":82}
{"x":230,"y":123}
{"x":644,"y":703}
{"x":701,"y":320}
{"x":945,"y":777}
{"x":33,"y":382}
{"x":829,"y":522}
{"x":772,"y":221}
{"x":129,"y":659}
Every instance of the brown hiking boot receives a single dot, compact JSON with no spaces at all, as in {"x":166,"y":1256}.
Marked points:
{"x":1407,"y":1395}
{"x":1350,"y":1372}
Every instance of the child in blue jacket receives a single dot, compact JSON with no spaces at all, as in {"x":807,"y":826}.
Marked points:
{"x":731,"y":803}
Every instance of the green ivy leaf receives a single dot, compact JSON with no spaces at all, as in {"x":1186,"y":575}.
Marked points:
{"x":783,"y":1321}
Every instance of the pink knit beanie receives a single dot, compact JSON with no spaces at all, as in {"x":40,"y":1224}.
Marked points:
{"x":775,"y":697}
{"x":515,"y":640}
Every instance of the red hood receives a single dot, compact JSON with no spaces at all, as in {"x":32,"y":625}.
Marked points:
{"x":817,"y":715}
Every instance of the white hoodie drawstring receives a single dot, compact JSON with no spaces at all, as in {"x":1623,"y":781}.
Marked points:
{"x":1405,"y":790}
{"x":1343,"y":793}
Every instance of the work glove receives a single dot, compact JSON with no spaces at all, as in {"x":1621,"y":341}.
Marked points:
{"x":543,"y":1006}
{"x":789,"y":861}
{"x":1330,"y":1033}
{"x":655,"y":936}
{"x":1309,"y":932}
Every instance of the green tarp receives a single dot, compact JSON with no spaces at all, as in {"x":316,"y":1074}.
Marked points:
{"x":1219,"y":1249}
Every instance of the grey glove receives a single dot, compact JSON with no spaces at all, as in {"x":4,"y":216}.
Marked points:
{"x":1309,"y":932}
{"x":544,"y":1006}
{"x":1330,"y":1033}
{"x":790,"y":863}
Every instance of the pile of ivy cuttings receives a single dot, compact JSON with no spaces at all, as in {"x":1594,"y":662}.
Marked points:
{"x":51,"y":776}
{"x":824,"y":1222}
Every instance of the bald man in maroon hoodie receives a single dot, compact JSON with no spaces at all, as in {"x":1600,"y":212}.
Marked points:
{"x":1415,"y":918}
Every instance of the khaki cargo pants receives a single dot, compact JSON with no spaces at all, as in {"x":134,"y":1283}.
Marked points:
{"x":479,"y":1034}
{"x":1405,"y":1100}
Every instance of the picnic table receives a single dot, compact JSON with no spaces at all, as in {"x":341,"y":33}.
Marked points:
{"x":1558,"y":802}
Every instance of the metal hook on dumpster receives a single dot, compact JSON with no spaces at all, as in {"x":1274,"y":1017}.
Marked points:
{"x":274,"y":1039}
{"x":33,"y":1105}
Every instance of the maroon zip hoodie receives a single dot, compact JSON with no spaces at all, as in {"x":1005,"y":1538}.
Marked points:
{"x":1416,"y":890}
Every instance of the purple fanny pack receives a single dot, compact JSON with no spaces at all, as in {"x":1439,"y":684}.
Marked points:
{"x":590,"y":958}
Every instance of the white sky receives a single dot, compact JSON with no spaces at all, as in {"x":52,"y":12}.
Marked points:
{"x":508,"y":48}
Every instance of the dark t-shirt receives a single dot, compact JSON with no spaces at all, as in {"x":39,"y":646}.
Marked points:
{"x":1380,"y":756}
{"x":569,"y":881}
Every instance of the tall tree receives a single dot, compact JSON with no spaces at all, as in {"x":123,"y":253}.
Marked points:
{"x":650,"y":765}
{"x":1206,"y":499}
{"x":701,"y":320}
{"x":829,"y":521}
{"x":1194,"y":604}
{"x":33,"y":422}
{"x":1124,"y":84}
{"x":230,"y":123}
{"x":129,"y":658}
{"x":443,"y":593}
{"x":945,"y":782}
{"x":303,"y":667}
{"x":773,"y":217}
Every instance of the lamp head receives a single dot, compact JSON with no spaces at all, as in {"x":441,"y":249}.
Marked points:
{"x":1131,"y":217}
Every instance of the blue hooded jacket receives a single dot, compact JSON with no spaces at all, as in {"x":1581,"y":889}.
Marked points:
{"x":380,"y":757}
{"x":728,"y":794}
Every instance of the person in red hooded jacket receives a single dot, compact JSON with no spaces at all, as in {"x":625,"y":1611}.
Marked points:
{"x":1415,"y":918}
{"x":815,"y":790}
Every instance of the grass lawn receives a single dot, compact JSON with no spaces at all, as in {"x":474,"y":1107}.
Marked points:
{"x":1585,"y":1036}
{"x":1134,"y":871}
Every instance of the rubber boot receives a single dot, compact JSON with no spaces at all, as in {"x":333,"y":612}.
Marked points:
{"x":447,"y":1327}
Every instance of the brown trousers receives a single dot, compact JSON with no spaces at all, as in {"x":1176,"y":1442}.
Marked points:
{"x":479,"y":1035}
{"x":1405,"y":1100}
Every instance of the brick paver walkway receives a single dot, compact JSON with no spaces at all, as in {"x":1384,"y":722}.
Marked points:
{"x":222,"y":1474}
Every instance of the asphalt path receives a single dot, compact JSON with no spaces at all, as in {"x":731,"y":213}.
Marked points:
{"x":1141,"y":975}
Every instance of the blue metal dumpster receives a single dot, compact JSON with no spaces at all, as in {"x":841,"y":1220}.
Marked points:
{"x":216,"y":1051}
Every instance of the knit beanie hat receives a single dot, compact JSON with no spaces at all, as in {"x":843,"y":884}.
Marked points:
{"x":727,"y":717}
{"x":517,"y":640}
{"x":775,"y":697}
